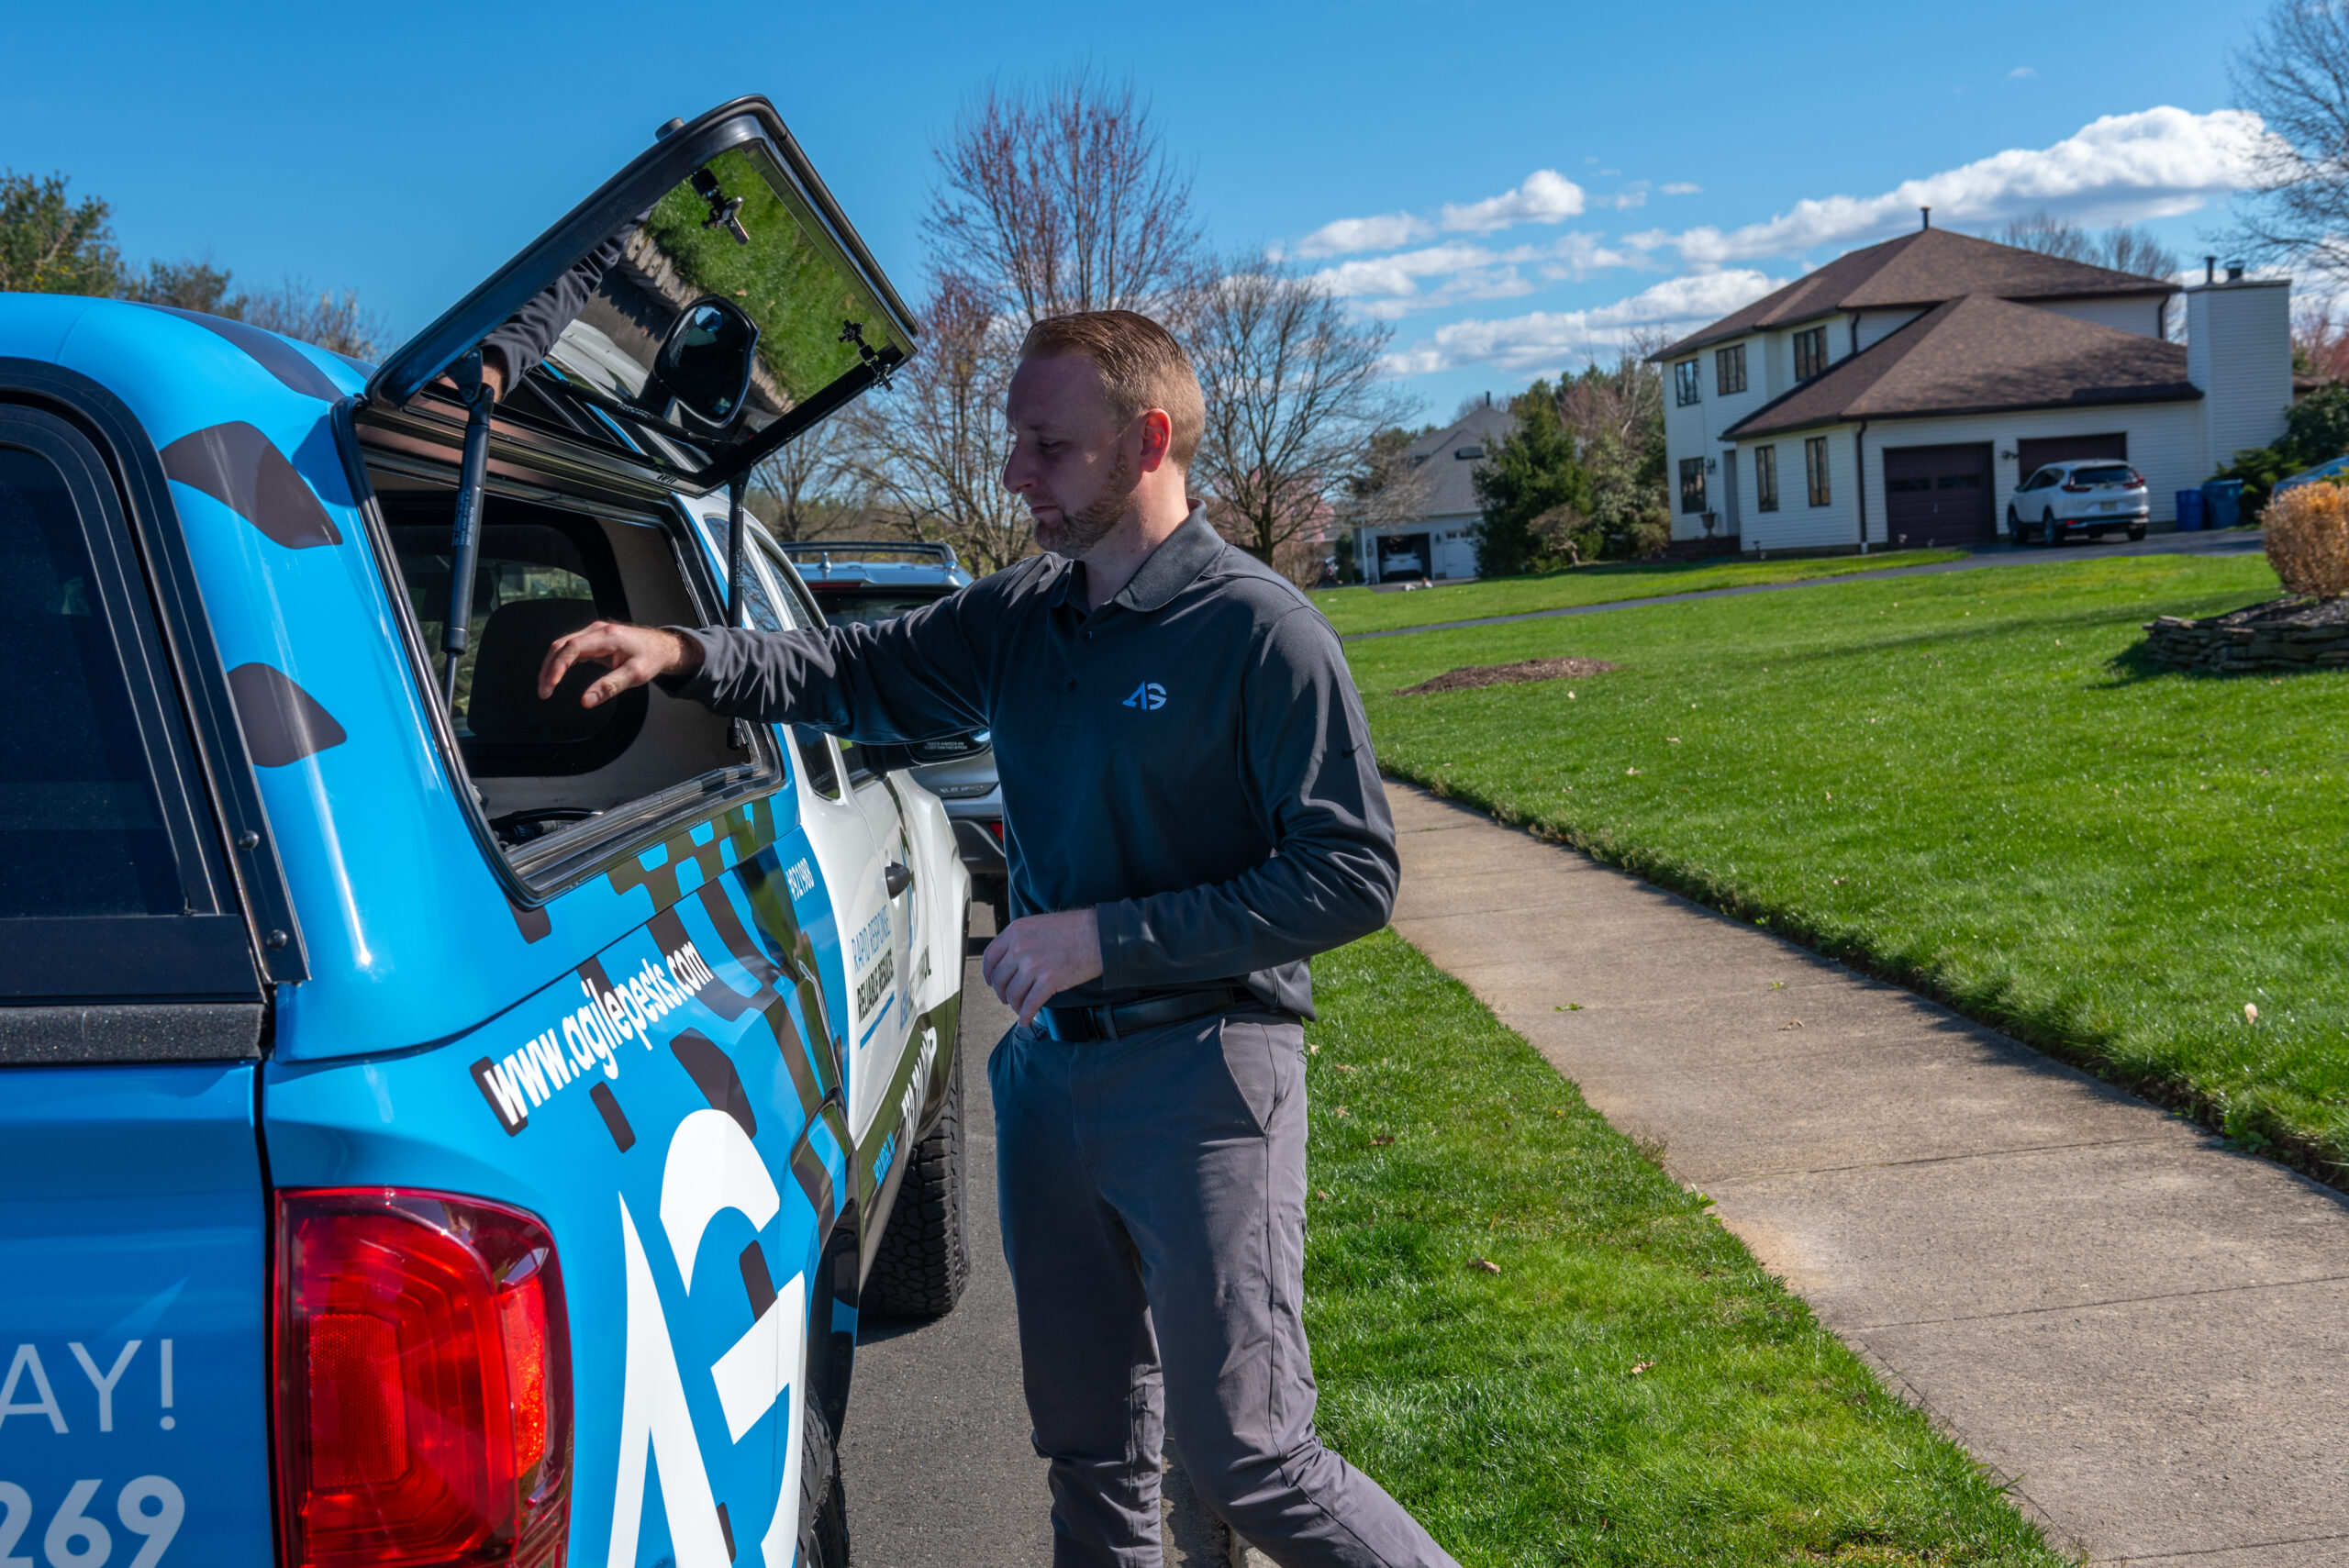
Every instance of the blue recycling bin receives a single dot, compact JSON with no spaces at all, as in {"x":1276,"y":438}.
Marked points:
{"x":2189,"y":511}
{"x":2222,"y":503}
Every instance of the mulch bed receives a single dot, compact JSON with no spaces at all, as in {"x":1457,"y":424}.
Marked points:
{"x":1506,"y":674}
{"x":2282,"y":634}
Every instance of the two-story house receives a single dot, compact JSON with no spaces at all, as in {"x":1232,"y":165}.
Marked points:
{"x":1898,"y":394}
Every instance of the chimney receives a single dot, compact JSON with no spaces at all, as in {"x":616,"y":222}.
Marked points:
{"x":2210,"y":268}
{"x":1926,"y":214}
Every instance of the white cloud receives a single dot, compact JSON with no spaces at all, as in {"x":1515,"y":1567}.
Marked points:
{"x":2123,"y":168}
{"x":1395,"y":285}
{"x":2020,"y":72}
{"x":1682,"y":188}
{"x":1546,"y":340}
{"x":1546,"y":197}
{"x":1381,"y":233}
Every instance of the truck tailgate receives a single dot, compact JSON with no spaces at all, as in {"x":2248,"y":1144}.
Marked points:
{"x":134,"y":1317}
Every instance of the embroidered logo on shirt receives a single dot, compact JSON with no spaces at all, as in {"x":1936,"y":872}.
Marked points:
{"x":1149,"y":694}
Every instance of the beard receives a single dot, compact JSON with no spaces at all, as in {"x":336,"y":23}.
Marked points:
{"x":1080,"y":531}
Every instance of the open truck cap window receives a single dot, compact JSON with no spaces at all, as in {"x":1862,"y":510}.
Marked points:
{"x":704,"y":307}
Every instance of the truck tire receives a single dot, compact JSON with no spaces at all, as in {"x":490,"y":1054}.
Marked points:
{"x":823,"y":1503}
{"x":924,"y":1259}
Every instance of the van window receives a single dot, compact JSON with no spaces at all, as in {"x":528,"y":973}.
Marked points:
{"x":2116,"y":474}
{"x":550,"y":770}
{"x":82,"y":829}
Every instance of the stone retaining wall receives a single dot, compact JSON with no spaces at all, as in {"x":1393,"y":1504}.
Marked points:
{"x":2277,"y":645}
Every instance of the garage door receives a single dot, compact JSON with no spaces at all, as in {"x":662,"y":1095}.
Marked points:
{"x":2032,"y":456}
{"x":1938,"y":494}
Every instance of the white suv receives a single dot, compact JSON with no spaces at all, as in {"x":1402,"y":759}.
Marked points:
{"x":2085,"y":495}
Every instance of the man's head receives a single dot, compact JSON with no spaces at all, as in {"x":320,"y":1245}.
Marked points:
{"x":1106,"y":414}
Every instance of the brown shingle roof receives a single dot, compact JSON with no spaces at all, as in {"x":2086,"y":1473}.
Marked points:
{"x":1975,"y":355}
{"x":1921,"y":269}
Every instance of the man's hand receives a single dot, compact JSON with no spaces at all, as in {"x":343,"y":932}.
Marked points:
{"x":636,"y":653}
{"x":1038,"y":957}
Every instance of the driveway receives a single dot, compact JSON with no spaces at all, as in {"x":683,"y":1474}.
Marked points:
{"x":936,"y":1457}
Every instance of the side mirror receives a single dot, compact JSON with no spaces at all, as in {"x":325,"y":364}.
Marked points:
{"x":703,"y":364}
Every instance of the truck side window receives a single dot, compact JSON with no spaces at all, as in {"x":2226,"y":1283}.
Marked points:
{"x":80,"y":828}
{"x":114,"y":880}
{"x":786,"y":612}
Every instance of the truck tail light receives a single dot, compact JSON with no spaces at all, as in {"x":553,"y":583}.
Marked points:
{"x":423,"y":1383}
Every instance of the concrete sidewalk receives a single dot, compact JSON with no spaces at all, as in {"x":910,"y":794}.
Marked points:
{"x":2145,"y":1331}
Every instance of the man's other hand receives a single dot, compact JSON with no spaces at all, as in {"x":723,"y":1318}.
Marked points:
{"x":637,"y":654}
{"x":1037,"y":957}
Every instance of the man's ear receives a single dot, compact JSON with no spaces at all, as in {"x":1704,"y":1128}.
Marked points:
{"x":1157,"y":427}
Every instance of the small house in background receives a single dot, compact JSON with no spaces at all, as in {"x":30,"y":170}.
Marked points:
{"x":1898,"y":394}
{"x":1418,"y":527}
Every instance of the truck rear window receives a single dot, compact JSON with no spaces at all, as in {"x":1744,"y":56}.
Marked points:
{"x":549,"y":768}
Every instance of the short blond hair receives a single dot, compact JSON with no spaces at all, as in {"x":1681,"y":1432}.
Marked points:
{"x":1140,"y":364}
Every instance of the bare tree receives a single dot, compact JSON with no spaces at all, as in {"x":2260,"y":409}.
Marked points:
{"x":2294,"y":74}
{"x":1062,"y":198}
{"x":798,"y":492}
{"x":334,"y":322}
{"x":928,"y":450}
{"x":2120,"y":247}
{"x":1294,"y":393}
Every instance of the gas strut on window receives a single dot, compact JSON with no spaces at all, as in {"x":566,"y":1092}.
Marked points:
{"x":738,"y":734}
{"x":464,"y":545}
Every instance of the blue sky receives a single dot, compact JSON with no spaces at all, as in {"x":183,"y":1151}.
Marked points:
{"x":1503,"y":182}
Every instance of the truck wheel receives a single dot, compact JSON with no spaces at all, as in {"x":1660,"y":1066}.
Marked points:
{"x":2136,"y":532}
{"x":924,"y":1258}
{"x":823,"y":1503}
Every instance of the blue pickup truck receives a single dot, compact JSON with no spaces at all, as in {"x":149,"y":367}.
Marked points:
{"x":439,"y":1126}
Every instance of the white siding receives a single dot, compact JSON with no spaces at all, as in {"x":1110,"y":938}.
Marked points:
{"x":1695,"y":430}
{"x":2135,"y":313}
{"x":2165,"y":445}
{"x":1797,"y":523}
{"x":2239,"y":351}
{"x":1876,"y":326}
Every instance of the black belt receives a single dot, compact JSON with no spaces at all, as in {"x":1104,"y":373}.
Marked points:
{"x":1078,"y":1025}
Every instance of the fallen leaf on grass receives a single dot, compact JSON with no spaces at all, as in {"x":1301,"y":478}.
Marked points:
{"x":2251,"y":1012}
{"x":1643,"y":1366}
{"x":1630,"y":772}
{"x":1791,"y":1024}
{"x":1340,"y":1111}
{"x":1672,"y":740}
{"x":1348,"y":1067}
{"x":1486,"y":1264}
{"x":1321,"y":1192}
{"x":1382,"y":1140}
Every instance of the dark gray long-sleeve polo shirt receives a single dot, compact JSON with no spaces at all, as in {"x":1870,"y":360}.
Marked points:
{"x":1190,"y":760}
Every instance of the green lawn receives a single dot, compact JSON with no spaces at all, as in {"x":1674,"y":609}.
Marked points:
{"x":1630,"y":1388}
{"x":1363,"y":609}
{"x":1969,"y":783}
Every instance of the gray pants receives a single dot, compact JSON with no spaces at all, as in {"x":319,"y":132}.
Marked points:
{"x":1153,"y":1216}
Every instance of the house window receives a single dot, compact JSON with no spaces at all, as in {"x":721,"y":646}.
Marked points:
{"x":1765,"y":478}
{"x":1814,"y":469}
{"x":1811,"y":353}
{"x":1684,"y":381}
{"x":1729,"y":369}
{"x":1692,"y":484}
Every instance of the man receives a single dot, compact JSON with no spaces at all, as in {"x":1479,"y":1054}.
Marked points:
{"x":1191,"y":810}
